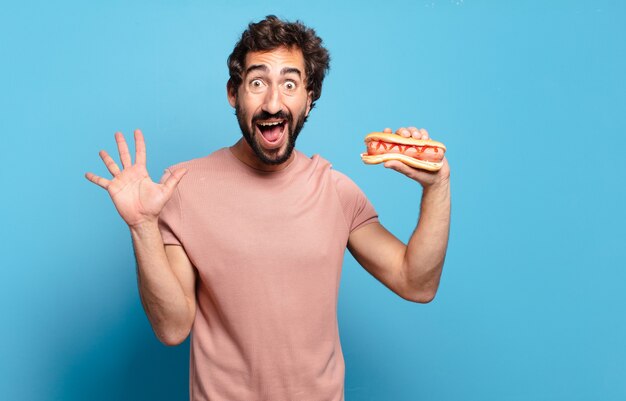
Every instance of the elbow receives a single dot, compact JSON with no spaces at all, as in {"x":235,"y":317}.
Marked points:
{"x":422,"y":296}
{"x":173,"y":338}
{"x":173,"y":332}
{"x":423,"y":290}
{"x":171,"y":342}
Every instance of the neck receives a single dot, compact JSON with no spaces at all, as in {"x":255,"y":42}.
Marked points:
{"x":246,"y":155}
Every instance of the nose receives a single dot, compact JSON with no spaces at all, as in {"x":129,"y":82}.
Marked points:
{"x":272,"y":103}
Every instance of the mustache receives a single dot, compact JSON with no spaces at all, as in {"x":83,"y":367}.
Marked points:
{"x":264,"y":115}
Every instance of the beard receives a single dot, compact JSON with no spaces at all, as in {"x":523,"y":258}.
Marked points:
{"x":273,"y":156}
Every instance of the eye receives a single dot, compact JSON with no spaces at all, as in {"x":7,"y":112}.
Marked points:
{"x":256,"y":85}
{"x":290,"y":85}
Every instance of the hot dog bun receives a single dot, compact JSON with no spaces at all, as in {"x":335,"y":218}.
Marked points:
{"x":417,"y":153}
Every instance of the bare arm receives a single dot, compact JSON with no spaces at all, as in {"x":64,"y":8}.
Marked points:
{"x":166,"y":278}
{"x":412,"y":271}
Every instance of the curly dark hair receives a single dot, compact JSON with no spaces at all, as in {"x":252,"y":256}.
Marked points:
{"x":272,"y":33}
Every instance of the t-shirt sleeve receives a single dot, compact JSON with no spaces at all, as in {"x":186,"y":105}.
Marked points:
{"x":357,"y":209}
{"x":170,"y":219}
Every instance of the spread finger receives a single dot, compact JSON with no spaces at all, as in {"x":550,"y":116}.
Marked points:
{"x":110,"y":163}
{"x":122,"y":147}
{"x":140,"y":148}
{"x":103,"y":182}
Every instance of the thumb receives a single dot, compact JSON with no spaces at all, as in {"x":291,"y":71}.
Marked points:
{"x":172,"y":181}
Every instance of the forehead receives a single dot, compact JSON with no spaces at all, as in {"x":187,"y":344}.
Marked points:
{"x":277,"y":59}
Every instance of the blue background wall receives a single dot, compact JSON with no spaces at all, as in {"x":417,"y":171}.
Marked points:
{"x":529,"y":97}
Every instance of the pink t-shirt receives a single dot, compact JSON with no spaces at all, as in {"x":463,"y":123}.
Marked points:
{"x":268,"y":247}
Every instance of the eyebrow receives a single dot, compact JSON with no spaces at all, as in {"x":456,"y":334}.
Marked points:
{"x":291,"y":70}
{"x":264,"y":68}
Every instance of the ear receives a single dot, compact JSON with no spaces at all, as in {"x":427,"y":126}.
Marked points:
{"x":309,"y":101}
{"x":231,"y":93}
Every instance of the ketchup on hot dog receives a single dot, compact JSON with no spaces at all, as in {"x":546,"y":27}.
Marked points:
{"x":417,"y":153}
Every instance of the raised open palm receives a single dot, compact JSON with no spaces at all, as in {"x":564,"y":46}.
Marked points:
{"x":136,"y":197}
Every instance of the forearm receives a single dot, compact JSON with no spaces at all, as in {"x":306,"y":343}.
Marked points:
{"x":161,"y":293}
{"x":426,"y":250}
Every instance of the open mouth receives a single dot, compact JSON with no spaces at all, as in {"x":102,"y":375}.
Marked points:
{"x":272,"y":131}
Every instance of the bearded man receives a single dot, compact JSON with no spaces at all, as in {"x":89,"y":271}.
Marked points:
{"x":245,"y":251}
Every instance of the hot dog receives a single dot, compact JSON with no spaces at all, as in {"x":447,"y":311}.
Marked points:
{"x":417,"y":153}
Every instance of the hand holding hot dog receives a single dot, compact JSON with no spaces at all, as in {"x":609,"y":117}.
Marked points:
{"x":411,"y":153}
{"x":136,"y":197}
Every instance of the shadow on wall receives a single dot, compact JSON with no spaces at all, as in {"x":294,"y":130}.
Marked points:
{"x":114,"y":355}
{"x":126,"y":362}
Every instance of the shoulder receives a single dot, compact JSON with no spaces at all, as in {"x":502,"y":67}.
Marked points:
{"x":215,"y":159}
{"x":201,"y":170}
{"x":356,"y":208}
{"x":346,"y":188}
{"x":315,"y":162}
{"x":344,"y":185}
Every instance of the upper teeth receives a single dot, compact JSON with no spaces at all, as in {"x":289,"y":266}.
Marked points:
{"x":270,"y":123}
